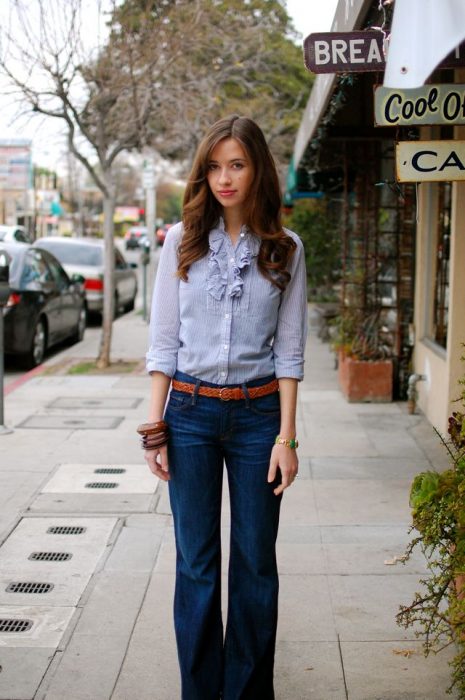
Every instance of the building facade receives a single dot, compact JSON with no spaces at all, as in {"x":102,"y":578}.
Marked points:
{"x":405,"y":241}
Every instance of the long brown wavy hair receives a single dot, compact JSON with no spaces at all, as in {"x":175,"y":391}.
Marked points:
{"x":201,"y":210}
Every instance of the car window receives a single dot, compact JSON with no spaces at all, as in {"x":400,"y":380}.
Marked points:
{"x":35,"y":269}
{"x":2,"y":235}
{"x":19,"y":236}
{"x":74,"y":253}
{"x":59,"y":275}
{"x":119,"y":260}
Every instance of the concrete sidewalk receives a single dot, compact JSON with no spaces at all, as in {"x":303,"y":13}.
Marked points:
{"x":73,"y":484}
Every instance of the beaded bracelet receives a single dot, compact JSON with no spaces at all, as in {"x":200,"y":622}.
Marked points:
{"x":293,"y":443}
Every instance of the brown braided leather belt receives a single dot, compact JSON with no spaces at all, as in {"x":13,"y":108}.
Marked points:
{"x":226,"y":393}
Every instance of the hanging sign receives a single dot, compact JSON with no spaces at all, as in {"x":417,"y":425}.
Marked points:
{"x":357,"y":52}
{"x":429,"y":104}
{"x":430,"y":161}
{"x":340,"y":52}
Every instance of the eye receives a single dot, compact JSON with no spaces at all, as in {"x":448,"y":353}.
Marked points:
{"x":238,"y":166}
{"x":212,"y":166}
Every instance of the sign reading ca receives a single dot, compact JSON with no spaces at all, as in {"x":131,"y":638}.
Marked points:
{"x":430,"y":161}
{"x":430,"y":104}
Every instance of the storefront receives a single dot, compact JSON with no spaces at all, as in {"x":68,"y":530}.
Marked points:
{"x":403,"y":243}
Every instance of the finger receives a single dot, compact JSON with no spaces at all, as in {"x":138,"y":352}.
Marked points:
{"x":151,"y":457}
{"x":162,"y":458}
{"x":286,"y":481}
{"x":272,"y":470}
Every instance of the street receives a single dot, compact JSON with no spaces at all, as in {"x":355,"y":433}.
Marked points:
{"x":13,"y":370}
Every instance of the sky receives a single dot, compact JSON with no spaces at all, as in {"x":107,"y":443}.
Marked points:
{"x":48,"y":144}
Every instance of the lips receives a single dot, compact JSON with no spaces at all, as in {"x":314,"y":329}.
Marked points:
{"x":226,"y":193}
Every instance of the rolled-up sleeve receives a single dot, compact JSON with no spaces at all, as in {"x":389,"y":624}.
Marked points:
{"x":164,"y":318}
{"x":291,"y":330}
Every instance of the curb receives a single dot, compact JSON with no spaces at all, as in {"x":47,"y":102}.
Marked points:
{"x":12,"y":386}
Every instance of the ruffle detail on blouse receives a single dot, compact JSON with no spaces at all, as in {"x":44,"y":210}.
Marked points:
{"x":217,"y":276}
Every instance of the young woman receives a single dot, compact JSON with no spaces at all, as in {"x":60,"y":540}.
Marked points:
{"x":228,"y":330}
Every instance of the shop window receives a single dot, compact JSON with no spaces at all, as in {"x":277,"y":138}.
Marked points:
{"x":441,"y":289}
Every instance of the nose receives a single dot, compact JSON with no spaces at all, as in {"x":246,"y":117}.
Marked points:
{"x":225,"y":177}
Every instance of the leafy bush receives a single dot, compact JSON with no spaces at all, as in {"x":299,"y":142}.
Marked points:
{"x":437,"y":500}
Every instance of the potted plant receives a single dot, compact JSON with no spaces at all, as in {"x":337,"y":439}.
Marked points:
{"x":365,"y":370}
{"x":437,"y":500}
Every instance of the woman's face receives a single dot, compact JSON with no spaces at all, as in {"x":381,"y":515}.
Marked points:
{"x":230,"y":174}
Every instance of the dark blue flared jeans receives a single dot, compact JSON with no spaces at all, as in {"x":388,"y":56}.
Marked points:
{"x":205,"y":433}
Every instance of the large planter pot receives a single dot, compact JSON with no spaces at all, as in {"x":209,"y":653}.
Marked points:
{"x":365,"y":380}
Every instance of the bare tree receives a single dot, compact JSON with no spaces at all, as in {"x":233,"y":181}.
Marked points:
{"x":104,"y":98}
{"x":167,"y":70}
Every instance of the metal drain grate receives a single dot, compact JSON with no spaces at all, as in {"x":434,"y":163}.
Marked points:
{"x":50,"y":556}
{"x":12,"y":625}
{"x":109,"y":470}
{"x":66,"y":530}
{"x":29,"y":587}
{"x":101,"y":485}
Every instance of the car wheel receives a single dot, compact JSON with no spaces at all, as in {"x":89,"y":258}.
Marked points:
{"x":78,"y":334}
{"x":38,"y":345}
{"x":130,"y":305}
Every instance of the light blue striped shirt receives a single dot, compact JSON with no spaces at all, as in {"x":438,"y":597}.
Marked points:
{"x":227,"y":324}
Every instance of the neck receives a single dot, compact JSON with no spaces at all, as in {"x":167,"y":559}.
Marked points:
{"x":233,"y":222}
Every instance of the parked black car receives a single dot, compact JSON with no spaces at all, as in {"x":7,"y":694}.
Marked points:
{"x":45,"y":306}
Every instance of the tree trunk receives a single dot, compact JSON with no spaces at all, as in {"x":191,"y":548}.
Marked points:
{"x":109,"y":276}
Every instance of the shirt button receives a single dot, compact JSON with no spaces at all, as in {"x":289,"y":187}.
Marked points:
{"x":223,"y":374}
{"x":226,"y":315}
{"x":225,"y":347}
{"x":242,"y":235}
{"x":231,"y":259}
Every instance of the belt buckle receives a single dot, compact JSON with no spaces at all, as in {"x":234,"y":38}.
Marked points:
{"x":223,"y":398}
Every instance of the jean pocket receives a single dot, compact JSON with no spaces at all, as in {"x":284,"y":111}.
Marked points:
{"x":266,"y":405}
{"x":179,"y":401}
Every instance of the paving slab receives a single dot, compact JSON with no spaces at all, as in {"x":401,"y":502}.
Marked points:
{"x":82,"y":551}
{"x":362,"y":501}
{"x":385,"y":670}
{"x":380,"y":429}
{"x":66,"y":591}
{"x":33,"y":663}
{"x":93,"y":503}
{"x":64,"y":422}
{"x":48,"y":625}
{"x":305,"y":612}
{"x":320,"y":440}
{"x":379,"y":559}
{"x":149,"y":671}
{"x":136,"y":549}
{"x":91,"y":403}
{"x":380,"y":467}
{"x":88,"y":670}
{"x":365,"y":606}
{"x":308,"y":671}
{"x":298,"y":505}
{"x":75,"y":478}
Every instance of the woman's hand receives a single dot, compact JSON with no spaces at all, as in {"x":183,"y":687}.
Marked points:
{"x":285,"y":459}
{"x":158,"y":462}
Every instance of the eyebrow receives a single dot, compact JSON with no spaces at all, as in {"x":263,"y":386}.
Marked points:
{"x":233,"y":160}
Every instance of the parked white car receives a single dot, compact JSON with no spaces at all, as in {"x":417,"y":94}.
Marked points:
{"x":14,"y":234}
{"x":84,"y":256}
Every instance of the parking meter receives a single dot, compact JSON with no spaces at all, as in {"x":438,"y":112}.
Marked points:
{"x":4,"y":277}
{"x":145,"y":255}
